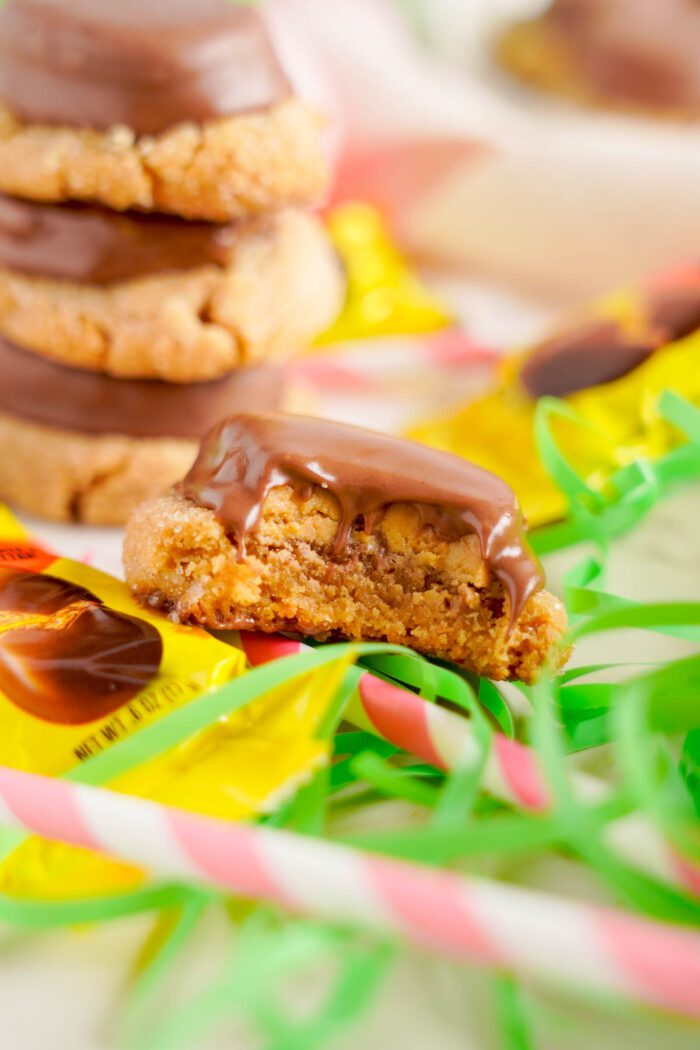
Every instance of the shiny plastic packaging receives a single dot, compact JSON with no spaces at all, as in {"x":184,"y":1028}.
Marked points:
{"x":84,"y":669}
{"x":610,"y":364}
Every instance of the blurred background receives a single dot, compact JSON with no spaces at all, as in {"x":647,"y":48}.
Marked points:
{"x":560,"y":193}
{"x":525,"y":157}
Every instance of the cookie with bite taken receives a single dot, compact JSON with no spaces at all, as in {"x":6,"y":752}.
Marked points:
{"x":293,"y":524}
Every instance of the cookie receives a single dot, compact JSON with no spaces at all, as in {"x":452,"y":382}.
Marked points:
{"x":170,"y":105}
{"x":301,"y":525}
{"x":621,"y":54}
{"x":202,"y":300}
{"x":79,"y":446}
{"x":68,"y":476}
{"x":223,"y":170}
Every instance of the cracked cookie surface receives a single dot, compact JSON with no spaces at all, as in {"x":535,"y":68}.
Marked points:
{"x":282,"y":286}
{"x":398,"y":583}
{"x":217,"y":171}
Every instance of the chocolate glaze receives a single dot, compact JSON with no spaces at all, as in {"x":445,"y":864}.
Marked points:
{"x":92,"y":245}
{"x":148,"y":64}
{"x":638,"y":52}
{"x":599,"y":352}
{"x":64,"y":656}
{"x":34,"y":388}
{"x":246,"y":456}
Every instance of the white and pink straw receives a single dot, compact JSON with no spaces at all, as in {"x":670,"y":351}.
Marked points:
{"x":512,"y":771}
{"x":488,"y":923}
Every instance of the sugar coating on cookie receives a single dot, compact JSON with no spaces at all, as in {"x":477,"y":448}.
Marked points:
{"x":330,"y":530}
{"x":257,"y":291}
{"x":179,"y":106}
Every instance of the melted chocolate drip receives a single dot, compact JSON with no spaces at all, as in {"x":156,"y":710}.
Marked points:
{"x":36,"y":389}
{"x":64,"y":656}
{"x":147,"y":64}
{"x":91,"y":245}
{"x":248,"y":455}
{"x":595,"y":354}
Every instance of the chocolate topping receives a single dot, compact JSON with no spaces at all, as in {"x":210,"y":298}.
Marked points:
{"x":148,"y":64}
{"x":52,"y":395}
{"x":79,"y":242}
{"x":639,"y":52}
{"x":597,"y":353}
{"x":64,"y":656}
{"x":246,"y":456}
{"x":676,"y":314}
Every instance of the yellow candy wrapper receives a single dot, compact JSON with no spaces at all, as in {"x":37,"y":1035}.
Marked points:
{"x":610,"y":364}
{"x":384,"y":295}
{"x":84,"y":669}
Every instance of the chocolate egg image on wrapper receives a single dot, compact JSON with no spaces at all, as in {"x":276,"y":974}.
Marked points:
{"x":67,"y":658}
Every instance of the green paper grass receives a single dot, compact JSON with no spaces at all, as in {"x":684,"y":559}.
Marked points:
{"x":646,"y":716}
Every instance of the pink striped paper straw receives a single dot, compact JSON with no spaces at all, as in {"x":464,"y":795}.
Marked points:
{"x":470,"y":919}
{"x":512,"y":773}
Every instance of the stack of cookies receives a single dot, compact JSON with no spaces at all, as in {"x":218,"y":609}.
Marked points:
{"x":156,"y":251}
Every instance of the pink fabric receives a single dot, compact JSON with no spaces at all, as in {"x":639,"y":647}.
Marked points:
{"x":453,"y":348}
{"x":433,"y":908}
{"x":395,"y":176}
{"x":329,"y":376}
{"x":685,"y":275}
{"x":48,"y":807}
{"x":399,"y":717}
